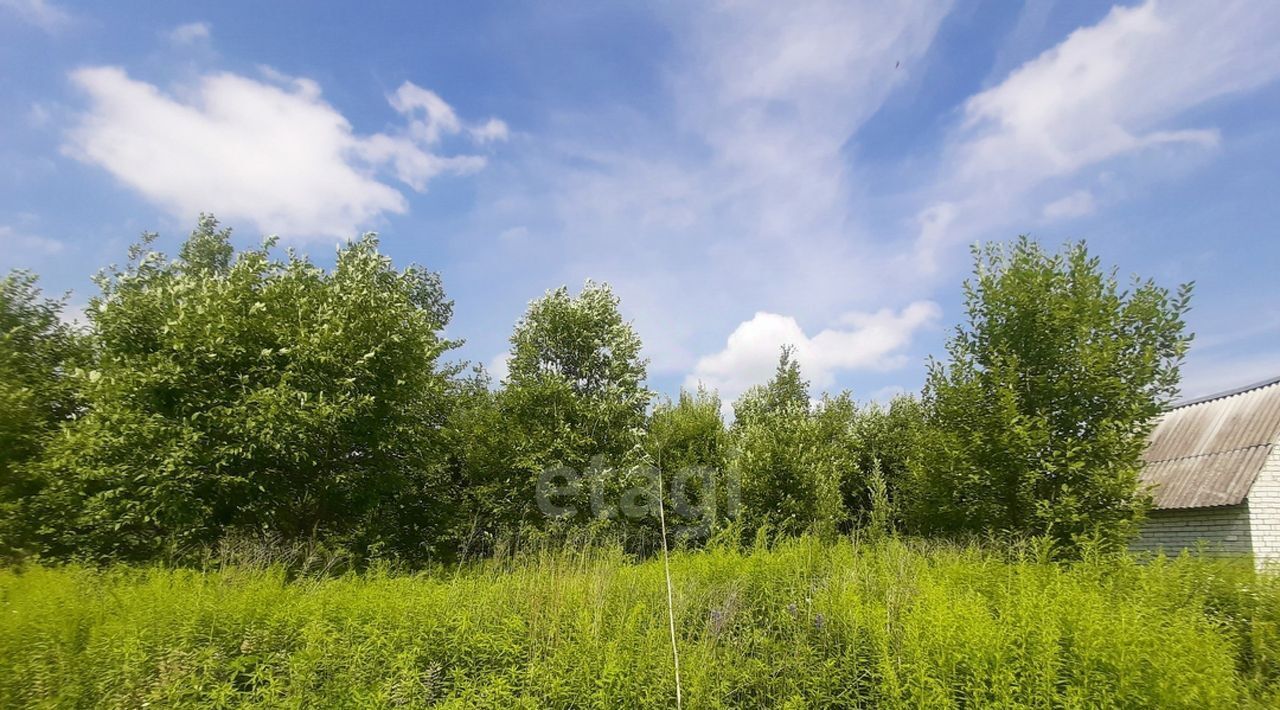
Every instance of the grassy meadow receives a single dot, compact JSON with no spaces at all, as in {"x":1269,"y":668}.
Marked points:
{"x":803,"y":623}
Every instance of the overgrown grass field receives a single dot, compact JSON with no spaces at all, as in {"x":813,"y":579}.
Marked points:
{"x":800,"y":624}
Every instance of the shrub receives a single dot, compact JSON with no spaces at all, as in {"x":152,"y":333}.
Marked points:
{"x":574,"y":397}
{"x":687,"y":441}
{"x":1040,"y":416}
{"x":36,"y":396}
{"x":788,"y":459}
{"x":244,"y":393}
{"x":888,"y":438}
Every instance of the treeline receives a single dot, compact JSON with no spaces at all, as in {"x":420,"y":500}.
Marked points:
{"x":223,"y":395}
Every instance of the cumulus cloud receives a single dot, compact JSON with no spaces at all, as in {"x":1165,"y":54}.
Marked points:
{"x":860,"y":341}
{"x":271,"y":152}
{"x":1114,"y":89}
{"x":189,"y":33}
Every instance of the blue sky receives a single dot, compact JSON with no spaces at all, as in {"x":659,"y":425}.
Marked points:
{"x":743,"y":174}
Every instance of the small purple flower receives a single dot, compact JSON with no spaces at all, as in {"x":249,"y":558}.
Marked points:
{"x":819,"y":621}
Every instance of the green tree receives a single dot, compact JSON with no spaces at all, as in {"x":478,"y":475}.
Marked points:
{"x":836,"y":456}
{"x":786,"y":463}
{"x":574,"y":397}
{"x":242,"y":393}
{"x":886,"y":440}
{"x":485,"y":461}
{"x":687,"y":440}
{"x":36,"y":396}
{"x":1040,"y":417}
{"x":787,"y":390}
{"x":688,"y":432}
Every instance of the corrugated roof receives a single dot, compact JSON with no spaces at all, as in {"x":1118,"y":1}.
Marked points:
{"x":1208,"y":452}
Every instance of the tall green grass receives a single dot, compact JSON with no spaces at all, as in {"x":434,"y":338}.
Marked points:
{"x":802,"y":624}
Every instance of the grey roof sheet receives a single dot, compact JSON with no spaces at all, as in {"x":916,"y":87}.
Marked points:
{"x":1209,"y":451}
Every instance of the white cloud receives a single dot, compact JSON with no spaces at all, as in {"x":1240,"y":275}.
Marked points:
{"x":189,"y":33}
{"x":497,"y":367}
{"x":732,"y":190}
{"x":1110,"y":90}
{"x":14,"y":242}
{"x":733,"y":193}
{"x":1077,"y":204}
{"x":273,"y":153}
{"x":863,"y":341}
{"x":490,"y":131}
{"x":41,"y":13}
{"x":433,"y":117}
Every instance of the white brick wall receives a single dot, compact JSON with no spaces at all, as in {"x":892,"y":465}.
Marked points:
{"x":1223,"y":531}
{"x":1252,"y":527}
{"x":1264,"y":511}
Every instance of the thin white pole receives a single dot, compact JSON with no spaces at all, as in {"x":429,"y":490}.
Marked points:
{"x":666,"y":569}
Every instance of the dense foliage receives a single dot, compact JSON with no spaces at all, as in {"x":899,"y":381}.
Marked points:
{"x":806,"y":624}
{"x":225,"y":395}
{"x":573,"y":403}
{"x":782,"y":468}
{"x":687,"y":441}
{"x":243,"y":394}
{"x":36,"y":396}
{"x":1041,"y":414}
{"x":889,"y":439}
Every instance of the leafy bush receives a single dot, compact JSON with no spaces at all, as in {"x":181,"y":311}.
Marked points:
{"x":1040,"y":417}
{"x":574,"y":397}
{"x":785,"y":480}
{"x":688,"y":432}
{"x":806,"y":624}
{"x":888,"y":438}
{"x":249,"y":394}
{"x":788,"y":461}
{"x":36,"y":350}
{"x":687,"y":441}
